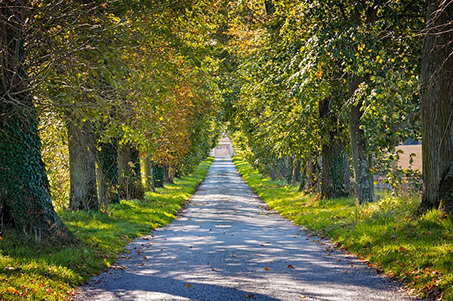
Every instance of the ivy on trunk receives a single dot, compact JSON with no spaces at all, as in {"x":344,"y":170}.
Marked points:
{"x":25,"y":202}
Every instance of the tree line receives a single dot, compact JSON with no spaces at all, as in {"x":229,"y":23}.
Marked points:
{"x":323,"y":91}
{"x":122,"y":86}
{"x":316,"y":92}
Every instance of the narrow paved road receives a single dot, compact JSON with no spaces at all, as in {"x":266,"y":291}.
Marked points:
{"x":225,"y":246}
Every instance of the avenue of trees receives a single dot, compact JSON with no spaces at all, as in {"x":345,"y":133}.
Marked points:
{"x":103,"y":100}
{"x":93,"y":94}
{"x":325,"y":90}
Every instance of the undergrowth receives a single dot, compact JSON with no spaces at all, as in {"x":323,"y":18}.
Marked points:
{"x":36,"y":271}
{"x":417,"y":250}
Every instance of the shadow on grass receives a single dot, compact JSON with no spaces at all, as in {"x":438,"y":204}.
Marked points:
{"x":416,"y":250}
{"x":39,"y":271}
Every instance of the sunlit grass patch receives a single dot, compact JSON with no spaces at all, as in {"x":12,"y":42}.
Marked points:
{"x":36,"y":271}
{"x":417,"y":250}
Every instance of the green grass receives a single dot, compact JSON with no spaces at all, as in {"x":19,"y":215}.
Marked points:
{"x":38,"y":271}
{"x":386,"y":233}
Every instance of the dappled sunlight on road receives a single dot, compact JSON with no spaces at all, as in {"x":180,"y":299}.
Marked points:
{"x":227,"y":246}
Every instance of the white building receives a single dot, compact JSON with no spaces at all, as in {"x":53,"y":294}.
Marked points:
{"x":223,"y":149}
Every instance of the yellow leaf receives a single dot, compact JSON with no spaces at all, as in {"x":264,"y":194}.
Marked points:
{"x":12,"y":290}
{"x":318,"y":73}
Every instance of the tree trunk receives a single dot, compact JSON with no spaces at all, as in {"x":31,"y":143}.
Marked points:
{"x":25,"y":202}
{"x":82,"y":165}
{"x":288,"y":169}
{"x":167,"y":175}
{"x":130,"y":186}
{"x":437,"y":107}
{"x":124,"y":171}
{"x":158,"y":175}
{"x":347,"y":177}
{"x":333,"y":170}
{"x":364,"y":185}
{"x":108,"y":169}
{"x":333,"y":164}
{"x":296,"y":171}
{"x":309,"y":178}
{"x":138,"y":191}
{"x":148,"y":173}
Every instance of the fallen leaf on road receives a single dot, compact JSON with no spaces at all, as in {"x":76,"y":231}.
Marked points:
{"x":250,"y":296}
{"x":188,"y":285}
{"x":267,"y":269}
{"x":118,"y":267}
{"x":290,"y":266}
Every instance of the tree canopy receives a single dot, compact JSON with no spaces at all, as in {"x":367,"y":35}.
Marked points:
{"x":315,"y":92}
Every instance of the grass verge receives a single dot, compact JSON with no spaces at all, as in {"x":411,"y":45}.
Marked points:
{"x":386,"y":233}
{"x":31,"y":271}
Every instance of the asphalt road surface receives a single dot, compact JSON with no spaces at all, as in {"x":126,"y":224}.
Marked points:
{"x":226,"y":246}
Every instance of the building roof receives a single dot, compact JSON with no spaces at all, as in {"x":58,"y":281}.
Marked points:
{"x":225,"y":140}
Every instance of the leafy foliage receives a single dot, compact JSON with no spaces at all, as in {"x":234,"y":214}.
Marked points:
{"x":296,"y":55}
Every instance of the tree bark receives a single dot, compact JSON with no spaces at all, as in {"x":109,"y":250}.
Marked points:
{"x":130,"y":186}
{"x":309,"y":175}
{"x":333,"y":170}
{"x":139,"y":190}
{"x":108,"y":169}
{"x":168,"y":177}
{"x":148,"y":173}
{"x":124,"y":171}
{"x":437,"y":107}
{"x":158,"y":175}
{"x":347,"y":177}
{"x":82,"y":165}
{"x":364,"y":185}
{"x":25,"y":203}
{"x":296,"y":171}
{"x":333,"y":151}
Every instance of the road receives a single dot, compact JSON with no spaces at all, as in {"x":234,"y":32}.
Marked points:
{"x":226,"y":246}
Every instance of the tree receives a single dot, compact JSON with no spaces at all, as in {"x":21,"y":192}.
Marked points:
{"x":25,"y":202}
{"x":82,"y":165}
{"x":437,"y":107}
{"x":130,"y":186}
{"x":335,"y":179}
